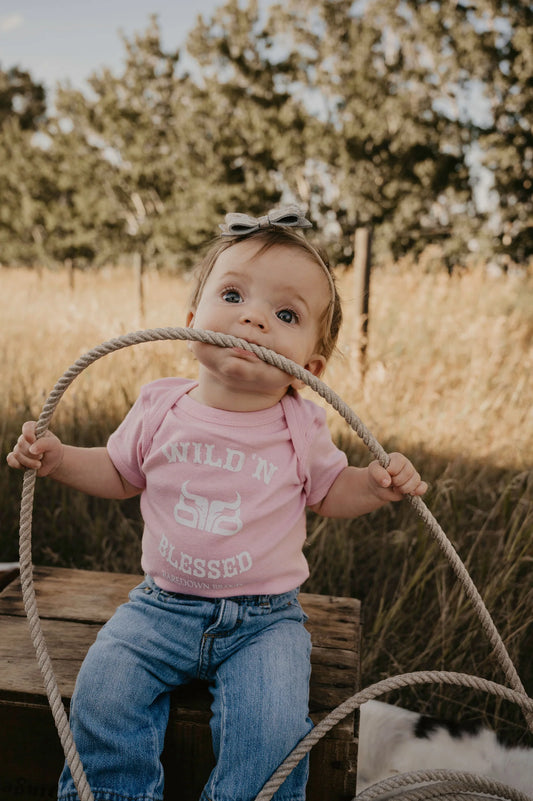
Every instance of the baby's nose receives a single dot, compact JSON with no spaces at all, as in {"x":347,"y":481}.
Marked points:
{"x":251,"y":321}
{"x":255,"y":317}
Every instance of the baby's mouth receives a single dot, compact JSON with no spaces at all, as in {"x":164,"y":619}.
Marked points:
{"x":244,"y":353}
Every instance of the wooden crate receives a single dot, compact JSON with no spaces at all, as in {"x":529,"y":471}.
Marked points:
{"x":73,"y":605}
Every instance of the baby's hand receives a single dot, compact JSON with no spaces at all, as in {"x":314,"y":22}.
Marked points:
{"x":44,"y":454}
{"x":398,"y":479}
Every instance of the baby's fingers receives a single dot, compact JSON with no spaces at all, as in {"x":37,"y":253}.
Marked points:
{"x":28,"y":431}
{"x":20,"y":460}
{"x":23,"y":456}
{"x":415,"y":486}
{"x":29,"y":451}
{"x":404,"y":477}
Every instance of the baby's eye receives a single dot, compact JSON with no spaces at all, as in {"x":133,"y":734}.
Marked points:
{"x":287,"y":316}
{"x":231,"y":296}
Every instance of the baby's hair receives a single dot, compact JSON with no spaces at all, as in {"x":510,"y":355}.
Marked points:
{"x":329,"y":324}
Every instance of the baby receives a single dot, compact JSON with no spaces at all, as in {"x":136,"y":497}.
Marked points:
{"x":225,"y":466}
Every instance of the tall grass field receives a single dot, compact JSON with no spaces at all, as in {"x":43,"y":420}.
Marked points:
{"x":449,"y":382}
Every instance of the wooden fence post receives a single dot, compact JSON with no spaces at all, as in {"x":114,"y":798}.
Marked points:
{"x":138,"y":263}
{"x":362,"y":268}
{"x":69,"y":266}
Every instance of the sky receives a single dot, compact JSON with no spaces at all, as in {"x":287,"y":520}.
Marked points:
{"x":59,"y":40}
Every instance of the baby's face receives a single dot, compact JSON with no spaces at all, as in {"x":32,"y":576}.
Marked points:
{"x":275,"y":298}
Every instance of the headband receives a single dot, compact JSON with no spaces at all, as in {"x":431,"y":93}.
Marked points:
{"x":238,"y":224}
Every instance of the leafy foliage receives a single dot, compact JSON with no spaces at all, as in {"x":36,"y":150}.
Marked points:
{"x":368,"y":113}
{"x":21,"y":98}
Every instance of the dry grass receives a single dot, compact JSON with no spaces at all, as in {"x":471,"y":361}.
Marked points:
{"x":449,"y":382}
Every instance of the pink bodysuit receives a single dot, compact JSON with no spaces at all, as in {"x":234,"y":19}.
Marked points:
{"x":224,"y":493}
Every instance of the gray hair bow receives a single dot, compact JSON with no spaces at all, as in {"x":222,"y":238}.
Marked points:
{"x":238,"y":224}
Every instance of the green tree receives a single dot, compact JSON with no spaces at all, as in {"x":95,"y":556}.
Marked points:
{"x":414,"y":90}
{"x":50,"y":200}
{"x":160,"y":136}
{"x":80,"y":218}
{"x":129,"y":125}
{"x":182,"y":151}
{"x":368,"y":113}
{"x":22,"y":109}
{"x":20,"y":228}
{"x":501,"y":63}
{"x":253,"y":123}
{"x":21,"y":98}
{"x":484,"y":75}
{"x":390,"y":151}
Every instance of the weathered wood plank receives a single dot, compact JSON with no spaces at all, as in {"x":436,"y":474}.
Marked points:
{"x":332,"y":770}
{"x":73,"y":605}
{"x":333,"y":622}
{"x":67,"y":642}
{"x":67,"y":645}
{"x":31,"y":756}
{"x":79,"y":595}
{"x":8,"y":572}
{"x":28,"y":731}
{"x":84,"y":595}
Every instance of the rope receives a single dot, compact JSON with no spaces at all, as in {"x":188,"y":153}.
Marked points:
{"x":375,"y":690}
{"x":276,"y":360}
{"x":442,"y":784}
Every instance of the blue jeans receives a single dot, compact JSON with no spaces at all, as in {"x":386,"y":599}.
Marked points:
{"x":254,"y":651}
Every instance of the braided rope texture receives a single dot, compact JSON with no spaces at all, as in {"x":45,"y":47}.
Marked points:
{"x":449,"y":785}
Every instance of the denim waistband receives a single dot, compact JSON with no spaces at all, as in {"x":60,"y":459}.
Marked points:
{"x":250,"y":600}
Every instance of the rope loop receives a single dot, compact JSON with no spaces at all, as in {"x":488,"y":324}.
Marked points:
{"x":374,"y":691}
{"x":448,"y":786}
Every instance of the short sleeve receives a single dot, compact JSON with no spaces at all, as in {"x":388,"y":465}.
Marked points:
{"x":130,"y":444}
{"x":320,"y":460}
{"x":324,"y":462}
{"x":125,"y":445}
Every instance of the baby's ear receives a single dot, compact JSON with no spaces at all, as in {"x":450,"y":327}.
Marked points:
{"x":316,"y":365}
{"x":189,"y":321}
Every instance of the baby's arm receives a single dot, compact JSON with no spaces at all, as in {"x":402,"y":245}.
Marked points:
{"x":359,"y":490}
{"x":87,"y":469}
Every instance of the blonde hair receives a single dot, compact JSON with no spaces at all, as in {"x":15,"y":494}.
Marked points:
{"x":331,"y":320}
